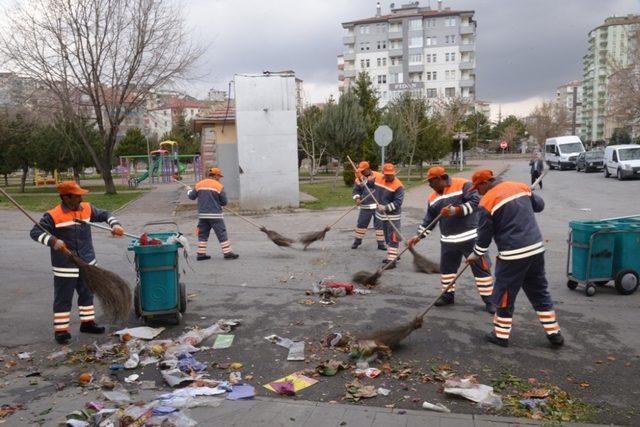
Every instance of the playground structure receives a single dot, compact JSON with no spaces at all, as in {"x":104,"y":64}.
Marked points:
{"x":165,"y":166}
{"x":41,"y":179}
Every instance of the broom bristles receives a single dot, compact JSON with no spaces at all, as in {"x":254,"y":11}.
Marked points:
{"x":309,"y":238}
{"x":392,"y":337}
{"x":111,"y":290}
{"x":423,"y":265}
{"x":366,"y":278}
{"x":277,"y":238}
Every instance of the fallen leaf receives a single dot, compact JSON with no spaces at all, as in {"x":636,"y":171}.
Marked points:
{"x":307,"y":302}
{"x":532,"y":380}
{"x":611,"y":358}
{"x":536,"y":393}
{"x":584,"y":384}
{"x":599,"y":362}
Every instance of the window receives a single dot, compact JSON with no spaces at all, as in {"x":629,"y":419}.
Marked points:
{"x":415,"y":58}
{"x":415,"y":24}
{"x":415,"y":42}
{"x":432,"y":93}
{"x":368,"y":64}
{"x":435,"y":75}
{"x":428,"y":75}
{"x":453,"y":56}
{"x":396,"y":78}
{"x":449,"y":92}
{"x":395,"y":61}
{"x":415,"y":77}
{"x":379,"y":61}
{"x":395,"y":45}
{"x":446,"y":57}
{"x":395,"y":28}
{"x":450,"y":22}
{"x":433,"y":57}
{"x":446,"y":75}
{"x":382,"y":79}
{"x":384,"y":62}
{"x":432,"y":41}
{"x":431,"y":23}
{"x":614,"y":158}
{"x":362,"y":63}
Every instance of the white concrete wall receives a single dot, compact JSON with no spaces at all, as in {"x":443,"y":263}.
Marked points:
{"x":267,"y":141}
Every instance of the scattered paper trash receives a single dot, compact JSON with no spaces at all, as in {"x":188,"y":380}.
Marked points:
{"x":282,"y":342}
{"x":223,"y":341}
{"x":533,"y":403}
{"x":438,"y":407}
{"x":193,"y":392}
{"x":187,"y":363}
{"x":235,"y":377}
{"x":117,"y":396}
{"x":357,"y":391}
{"x":58,"y":354}
{"x":142,"y":332}
{"x":239,"y":392}
{"x":148,"y":360}
{"x":330,"y":368}
{"x":175,"y":377}
{"x":131,"y":378}
{"x":284,"y":388}
{"x":296,"y":351}
{"x":133,"y":361}
{"x":472,"y":390}
{"x":25,"y":355}
{"x":299,"y":381}
{"x":383,"y":391}
{"x":368,"y":372}
{"x":196,"y":336}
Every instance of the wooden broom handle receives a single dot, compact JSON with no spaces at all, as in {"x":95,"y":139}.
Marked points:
{"x":342,"y":216}
{"x":355,"y":169}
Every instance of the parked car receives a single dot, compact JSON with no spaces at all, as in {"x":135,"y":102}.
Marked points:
{"x":562,"y":151}
{"x":623,"y":161}
{"x":590,"y":161}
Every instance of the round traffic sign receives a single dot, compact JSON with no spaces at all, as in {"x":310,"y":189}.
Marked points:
{"x":383,"y":135}
{"x":503,"y":145}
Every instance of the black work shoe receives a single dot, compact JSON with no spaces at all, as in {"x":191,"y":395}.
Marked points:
{"x":556,"y":339}
{"x":62,"y":337}
{"x":490,"y":307}
{"x":203,"y":257}
{"x":382,"y":246}
{"x":492,"y":338}
{"x":231,"y":255}
{"x":392,"y":264}
{"x":445,"y":299}
{"x":91,"y":328}
{"x":356,"y":243}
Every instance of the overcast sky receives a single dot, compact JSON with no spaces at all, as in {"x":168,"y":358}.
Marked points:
{"x":525,"y":48}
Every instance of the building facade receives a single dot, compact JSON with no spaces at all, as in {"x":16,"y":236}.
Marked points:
{"x":429,"y":52}
{"x":569,"y":96}
{"x":608,"y":44}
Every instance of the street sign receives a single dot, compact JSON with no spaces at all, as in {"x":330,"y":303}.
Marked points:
{"x":504,"y":145}
{"x":383,"y":135}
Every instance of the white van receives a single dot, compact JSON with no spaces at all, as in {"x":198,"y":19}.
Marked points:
{"x":562,"y":151}
{"x":623,"y":161}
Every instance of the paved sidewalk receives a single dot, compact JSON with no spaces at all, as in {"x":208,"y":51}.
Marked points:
{"x":288,"y":412}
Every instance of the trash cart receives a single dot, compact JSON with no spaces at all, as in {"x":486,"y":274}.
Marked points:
{"x":602,"y":251}
{"x":159,"y":295}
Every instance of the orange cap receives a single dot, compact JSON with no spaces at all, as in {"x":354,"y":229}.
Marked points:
{"x":388,"y":169}
{"x":215,"y":171}
{"x":363,"y":165}
{"x":436,"y":172}
{"x":483,"y":175}
{"x":71,"y":187}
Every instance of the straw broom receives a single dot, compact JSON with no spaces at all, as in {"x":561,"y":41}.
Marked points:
{"x":308,"y":238}
{"x":111,"y":290}
{"x":274,"y":236}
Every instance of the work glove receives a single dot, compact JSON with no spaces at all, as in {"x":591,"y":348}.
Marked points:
{"x":117,"y":231}
{"x":451,"y":211}
{"x":58,"y":245}
{"x":188,"y":188}
{"x":358,"y":201}
{"x":380,"y":209}
{"x":473,"y":259}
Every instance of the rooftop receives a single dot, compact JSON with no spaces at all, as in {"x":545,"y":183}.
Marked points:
{"x":424,"y":12}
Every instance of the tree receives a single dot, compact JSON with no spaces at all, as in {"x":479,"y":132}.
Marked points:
{"x":5,"y":165}
{"x":313,"y":147}
{"x":134,"y":143}
{"x":182,"y":133}
{"x":368,"y":99}
{"x":547,"y":120}
{"x":624,"y":86}
{"x":518,"y":128}
{"x":343,"y":127}
{"x":21,"y":145}
{"x":409,"y":112}
{"x":620,"y":136}
{"x":452,"y":112}
{"x":99,"y":59}
{"x":478,"y":127}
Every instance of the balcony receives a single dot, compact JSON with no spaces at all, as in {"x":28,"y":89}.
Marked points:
{"x":394,"y":69}
{"x":467,"y":29}
{"x":351,"y":56}
{"x":469,"y":47}
{"x":416,"y":68}
{"x":395,"y":35}
{"x":395,"y":52}
{"x":349,"y":73}
{"x":351,"y":39}
{"x":467,"y":65}
{"x":467,"y":83}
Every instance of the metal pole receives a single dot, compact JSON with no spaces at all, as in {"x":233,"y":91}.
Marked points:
{"x":382,"y":150}
{"x":461,"y":153}
{"x":149,"y":161}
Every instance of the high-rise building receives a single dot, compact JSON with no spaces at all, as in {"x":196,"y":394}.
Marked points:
{"x":569,"y":96}
{"x":430,"y":52}
{"x":608,"y":44}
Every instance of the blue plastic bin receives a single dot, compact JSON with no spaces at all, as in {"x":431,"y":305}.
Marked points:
{"x":592,"y":247}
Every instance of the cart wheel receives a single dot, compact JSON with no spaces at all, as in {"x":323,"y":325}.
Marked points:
{"x":571,"y":284}
{"x":178,"y":319}
{"x":136,"y":302}
{"x":627,"y":282}
{"x":183,"y":298}
{"x":589,"y":290}
{"x":601,"y":282}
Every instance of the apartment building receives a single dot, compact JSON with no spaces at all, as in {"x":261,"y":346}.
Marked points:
{"x":430,"y":52}
{"x":569,"y":96}
{"x":608,"y":43}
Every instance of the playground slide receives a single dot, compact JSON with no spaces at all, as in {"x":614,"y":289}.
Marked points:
{"x":156,"y":170}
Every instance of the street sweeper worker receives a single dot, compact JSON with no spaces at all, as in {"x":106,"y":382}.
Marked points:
{"x":366,"y":205}
{"x":390,"y":194}
{"x":506,"y":215}
{"x":211,"y":198}
{"x":458,"y":205}
{"x":63,"y":232}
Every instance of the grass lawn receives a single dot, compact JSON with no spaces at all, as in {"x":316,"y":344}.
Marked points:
{"x":52,"y":189}
{"x":45,"y":202}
